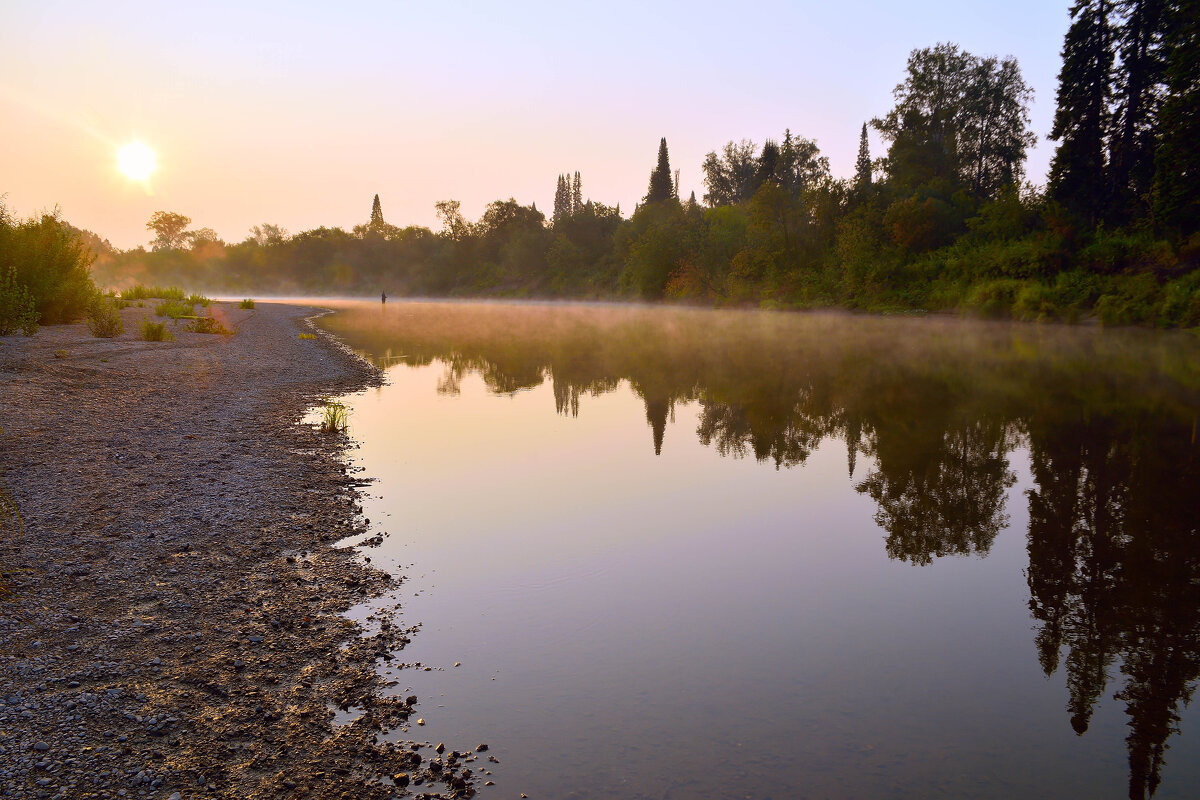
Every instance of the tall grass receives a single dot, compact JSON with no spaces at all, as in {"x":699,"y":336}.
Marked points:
{"x":143,"y":292}
{"x":335,"y":417}
{"x":174,"y":309}
{"x":155,"y":331}
{"x":104,"y":319}
{"x":247,"y":304}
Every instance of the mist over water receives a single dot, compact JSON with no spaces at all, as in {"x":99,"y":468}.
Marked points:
{"x":697,"y":553}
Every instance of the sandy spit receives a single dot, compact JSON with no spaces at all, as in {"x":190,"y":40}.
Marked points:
{"x":176,"y":630}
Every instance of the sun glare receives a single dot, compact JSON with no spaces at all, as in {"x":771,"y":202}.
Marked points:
{"x":137,"y":161}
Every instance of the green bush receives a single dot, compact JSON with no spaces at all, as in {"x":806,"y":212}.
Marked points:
{"x":1181,"y":302}
{"x":993,"y":298}
{"x":104,"y":320}
{"x":16,"y":306}
{"x":174,"y":309}
{"x":155,"y":331}
{"x":247,"y":304}
{"x":198,"y":300}
{"x":50,"y":261}
{"x":1132,"y":301}
{"x":208,"y":325}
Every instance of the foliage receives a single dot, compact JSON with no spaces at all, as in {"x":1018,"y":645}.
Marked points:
{"x":175,"y":309}
{"x":246,"y":304}
{"x":662,"y":187}
{"x":155,"y":331}
{"x":17,"y":311}
{"x":170,"y":230}
{"x":45,"y":256}
{"x":104,"y":318}
{"x":335,"y":416}
{"x":142,"y":292}
{"x":208,"y":325}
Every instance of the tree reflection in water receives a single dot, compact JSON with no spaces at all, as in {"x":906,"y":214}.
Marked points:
{"x":938,"y":407}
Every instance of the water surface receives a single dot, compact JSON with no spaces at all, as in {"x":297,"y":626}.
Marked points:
{"x":728,"y":554}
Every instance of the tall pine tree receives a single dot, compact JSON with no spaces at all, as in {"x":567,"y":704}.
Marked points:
{"x":1177,"y":160}
{"x":661,"y":186}
{"x":577,"y":194}
{"x":1081,"y":123}
{"x":376,"y":222}
{"x":562,"y":200}
{"x":1138,"y":84}
{"x":862,"y":165}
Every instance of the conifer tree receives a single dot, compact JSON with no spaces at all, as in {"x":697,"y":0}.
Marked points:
{"x":562,"y":200}
{"x":376,"y":222}
{"x":1139,"y":83}
{"x":661,"y":187}
{"x":862,"y":166}
{"x":577,"y":194}
{"x":1081,"y":123}
{"x":1177,"y":160}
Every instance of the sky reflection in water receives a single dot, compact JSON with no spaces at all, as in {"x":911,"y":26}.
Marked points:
{"x":695,"y":553}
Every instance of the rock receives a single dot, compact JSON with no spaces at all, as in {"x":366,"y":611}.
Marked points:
{"x":441,"y":747}
{"x":421,"y":721}
{"x":481,"y":749}
{"x":41,"y":747}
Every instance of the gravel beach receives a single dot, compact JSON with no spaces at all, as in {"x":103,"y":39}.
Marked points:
{"x":176,"y":627}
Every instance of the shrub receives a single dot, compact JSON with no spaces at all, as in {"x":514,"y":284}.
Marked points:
{"x":247,"y":304}
{"x":50,"y":262}
{"x":104,"y":320}
{"x":155,"y":331}
{"x":198,"y":300}
{"x":1132,"y":301}
{"x":993,"y":298}
{"x":174,"y":309}
{"x":16,"y":305}
{"x":208,"y":325}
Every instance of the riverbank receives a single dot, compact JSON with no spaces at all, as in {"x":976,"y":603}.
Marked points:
{"x":177,"y":628}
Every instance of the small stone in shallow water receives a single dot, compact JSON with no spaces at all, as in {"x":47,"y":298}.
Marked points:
{"x":421,"y":721}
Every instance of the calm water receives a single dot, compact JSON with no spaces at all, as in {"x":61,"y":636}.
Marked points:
{"x":724,"y":554}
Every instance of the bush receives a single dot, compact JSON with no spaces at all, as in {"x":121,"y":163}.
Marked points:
{"x":16,"y":305}
{"x":208,"y":325}
{"x":1132,"y":301}
{"x":247,"y":304}
{"x":198,"y":300}
{"x":155,"y":331}
{"x":174,"y":309}
{"x":104,"y":320}
{"x":993,"y":298}
{"x":50,"y":262}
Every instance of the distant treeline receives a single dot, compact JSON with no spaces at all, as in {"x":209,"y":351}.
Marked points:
{"x":943,"y":220}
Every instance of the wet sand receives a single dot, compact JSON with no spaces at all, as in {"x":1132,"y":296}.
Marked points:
{"x":176,"y":627}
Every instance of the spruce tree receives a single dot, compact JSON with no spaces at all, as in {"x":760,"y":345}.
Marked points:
{"x":661,"y":187}
{"x":862,"y":166}
{"x":376,"y":215}
{"x":1081,"y":122}
{"x":562,"y":200}
{"x":1177,"y":160}
{"x":1139,"y":83}
{"x":577,"y":195}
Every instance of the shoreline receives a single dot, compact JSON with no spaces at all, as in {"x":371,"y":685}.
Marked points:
{"x":177,"y":623}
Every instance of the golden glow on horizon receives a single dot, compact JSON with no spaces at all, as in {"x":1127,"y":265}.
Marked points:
{"x":137,"y":161}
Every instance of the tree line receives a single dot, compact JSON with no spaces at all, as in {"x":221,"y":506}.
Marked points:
{"x":942,"y":219}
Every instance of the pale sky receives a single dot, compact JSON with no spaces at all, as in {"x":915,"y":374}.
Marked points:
{"x":298,"y":113}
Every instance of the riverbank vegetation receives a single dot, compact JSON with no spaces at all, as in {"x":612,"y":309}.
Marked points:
{"x":942,"y":220}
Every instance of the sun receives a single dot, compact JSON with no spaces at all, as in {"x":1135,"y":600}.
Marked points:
{"x":137,"y":161}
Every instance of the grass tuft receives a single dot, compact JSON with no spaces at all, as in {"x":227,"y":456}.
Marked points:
{"x":335,"y":417}
{"x":247,"y":304}
{"x":60,"y":353}
{"x":308,"y":336}
{"x":144,"y":292}
{"x":104,"y":320}
{"x":155,"y":331}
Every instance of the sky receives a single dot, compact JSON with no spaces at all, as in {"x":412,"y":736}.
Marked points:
{"x":297,"y":113}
